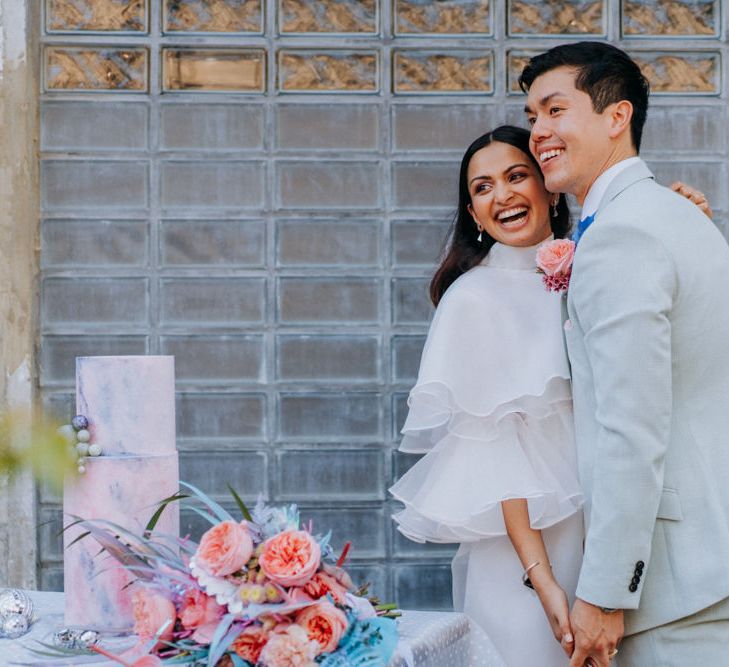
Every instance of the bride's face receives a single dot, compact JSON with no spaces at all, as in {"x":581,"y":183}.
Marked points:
{"x":508,"y":197}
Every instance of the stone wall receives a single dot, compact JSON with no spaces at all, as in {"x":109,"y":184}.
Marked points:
{"x":262,"y":188}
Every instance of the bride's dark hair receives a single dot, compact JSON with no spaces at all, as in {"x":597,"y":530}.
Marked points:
{"x":462,"y":251}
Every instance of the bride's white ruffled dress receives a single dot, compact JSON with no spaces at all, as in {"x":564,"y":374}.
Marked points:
{"x":492,"y":413}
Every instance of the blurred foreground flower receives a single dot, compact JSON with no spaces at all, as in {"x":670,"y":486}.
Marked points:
{"x":31,"y":440}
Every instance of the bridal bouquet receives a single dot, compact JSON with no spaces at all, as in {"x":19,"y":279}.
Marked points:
{"x":261,"y":590}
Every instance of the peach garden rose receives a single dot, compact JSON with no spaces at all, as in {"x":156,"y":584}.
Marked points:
{"x":151,"y":610}
{"x":324,"y":624}
{"x":290,"y":648}
{"x":225,"y":548}
{"x":201,"y":613}
{"x":290,"y":558}
{"x":322,"y":584}
{"x":249,"y":643}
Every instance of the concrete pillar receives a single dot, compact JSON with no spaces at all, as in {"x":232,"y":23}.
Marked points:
{"x":19,"y":241}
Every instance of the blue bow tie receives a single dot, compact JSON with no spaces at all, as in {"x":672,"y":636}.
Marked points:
{"x":582,"y":226}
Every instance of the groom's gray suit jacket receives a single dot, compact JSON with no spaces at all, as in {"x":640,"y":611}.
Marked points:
{"x":649,"y":348}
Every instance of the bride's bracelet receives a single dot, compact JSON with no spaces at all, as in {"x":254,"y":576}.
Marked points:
{"x":525,"y":577}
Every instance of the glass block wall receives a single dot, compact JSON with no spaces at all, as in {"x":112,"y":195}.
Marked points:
{"x":261,"y":188}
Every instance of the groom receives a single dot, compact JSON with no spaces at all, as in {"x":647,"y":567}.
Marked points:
{"x":648,"y":340}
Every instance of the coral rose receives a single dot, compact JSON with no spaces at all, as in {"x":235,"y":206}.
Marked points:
{"x":324,"y":624}
{"x":290,"y":558}
{"x":151,"y":612}
{"x":555,"y":257}
{"x":291,"y":648}
{"x":321,"y":584}
{"x":201,"y":613}
{"x":225,"y":548}
{"x":249,"y":643}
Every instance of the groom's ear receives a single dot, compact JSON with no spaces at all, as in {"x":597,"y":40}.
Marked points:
{"x":619,"y":116}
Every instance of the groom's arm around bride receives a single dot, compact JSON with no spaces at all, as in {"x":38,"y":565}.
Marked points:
{"x":649,"y":306}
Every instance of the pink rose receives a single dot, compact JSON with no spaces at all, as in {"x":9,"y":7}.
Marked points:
{"x":555,"y":257}
{"x":324,"y":624}
{"x":201,"y":613}
{"x":321,"y":584}
{"x":291,"y":648}
{"x":249,"y":643}
{"x":225,"y":548}
{"x":151,"y":612}
{"x":290,"y":558}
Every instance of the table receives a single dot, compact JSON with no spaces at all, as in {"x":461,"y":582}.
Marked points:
{"x":427,"y":639}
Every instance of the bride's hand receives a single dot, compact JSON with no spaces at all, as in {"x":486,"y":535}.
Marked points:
{"x":556,"y":607}
{"x":693,"y":195}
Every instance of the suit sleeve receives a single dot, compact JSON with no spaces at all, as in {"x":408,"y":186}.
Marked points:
{"x":622,"y":293}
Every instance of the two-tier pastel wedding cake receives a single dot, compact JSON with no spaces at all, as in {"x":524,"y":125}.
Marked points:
{"x":130,"y":406}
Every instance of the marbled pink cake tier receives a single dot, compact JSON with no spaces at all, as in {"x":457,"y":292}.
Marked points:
{"x":124,"y":490}
{"x":130,"y":404}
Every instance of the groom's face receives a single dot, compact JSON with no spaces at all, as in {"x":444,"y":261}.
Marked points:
{"x":568,"y":138}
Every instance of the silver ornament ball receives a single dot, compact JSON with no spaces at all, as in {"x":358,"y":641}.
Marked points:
{"x":14,"y":626}
{"x":87,"y":638}
{"x":79,"y":422}
{"x":15,"y":601}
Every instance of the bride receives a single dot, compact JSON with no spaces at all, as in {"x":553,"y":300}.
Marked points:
{"x":492,"y":411}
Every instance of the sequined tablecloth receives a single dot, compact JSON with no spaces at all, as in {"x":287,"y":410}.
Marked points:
{"x":427,"y":639}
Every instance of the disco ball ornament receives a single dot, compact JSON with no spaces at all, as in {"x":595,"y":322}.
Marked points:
{"x":87,"y":638}
{"x":15,"y":601}
{"x":79,"y":422}
{"x":14,"y":626}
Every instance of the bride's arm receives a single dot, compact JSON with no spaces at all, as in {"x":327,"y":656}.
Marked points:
{"x":530,"y":548}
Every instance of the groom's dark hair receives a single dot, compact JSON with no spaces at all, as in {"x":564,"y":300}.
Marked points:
{"x":604,"y":72}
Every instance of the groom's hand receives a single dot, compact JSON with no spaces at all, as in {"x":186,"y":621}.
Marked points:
{"x":596,"y":632}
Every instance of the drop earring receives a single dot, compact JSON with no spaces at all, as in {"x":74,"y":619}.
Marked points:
{"x":554,"y":208}
{"x":480,"y":234}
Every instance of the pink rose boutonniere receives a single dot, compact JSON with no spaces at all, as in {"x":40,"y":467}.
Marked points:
{"x":554,"y":262}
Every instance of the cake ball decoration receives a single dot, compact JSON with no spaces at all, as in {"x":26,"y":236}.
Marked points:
{"x":83,"y":435}
{"x":80,"y":422}
{"x":94,"y":450}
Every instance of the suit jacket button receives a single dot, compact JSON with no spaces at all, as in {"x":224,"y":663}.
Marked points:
{"x":635,"y":580}
{"x":638,"y":572}
{"x":632,"y":588}
{"x":639,"y":565}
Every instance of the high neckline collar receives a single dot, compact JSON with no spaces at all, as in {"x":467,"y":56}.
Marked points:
{"x":512,"y":257}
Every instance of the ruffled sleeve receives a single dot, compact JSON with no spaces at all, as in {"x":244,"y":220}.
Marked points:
{"x":491,"y":411}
